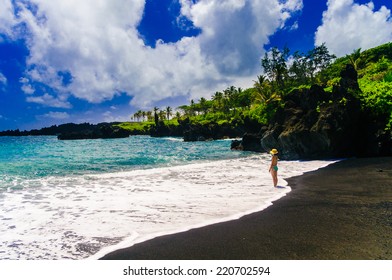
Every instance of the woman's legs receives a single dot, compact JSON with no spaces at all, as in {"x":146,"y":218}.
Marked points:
{"x":274,"y":177}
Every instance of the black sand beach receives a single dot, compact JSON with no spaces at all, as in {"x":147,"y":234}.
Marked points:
{"x":343,"y":211}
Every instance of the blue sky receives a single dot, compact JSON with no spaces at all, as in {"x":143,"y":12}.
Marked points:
{"x":102,"y":60}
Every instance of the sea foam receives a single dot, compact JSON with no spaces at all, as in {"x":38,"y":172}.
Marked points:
{"x":87,"y":216}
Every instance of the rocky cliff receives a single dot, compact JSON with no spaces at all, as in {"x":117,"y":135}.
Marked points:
{"x":95,"y":132}
{"x":316,"y":124}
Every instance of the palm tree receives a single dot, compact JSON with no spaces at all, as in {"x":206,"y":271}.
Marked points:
{"x":156,"y":117}
{"x":264,"y":91}
{"x":217,"y":98}
{"x":138,"y":115}
{"x":192,"y":108}
{"x":162,"y":115}
{"x":149,"y":115}
{"x":203,"y":105}
{"x":355,"y":58}
{"x":168,"y":112}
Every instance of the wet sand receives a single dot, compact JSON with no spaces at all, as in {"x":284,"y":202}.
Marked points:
{"x":343,"y":211}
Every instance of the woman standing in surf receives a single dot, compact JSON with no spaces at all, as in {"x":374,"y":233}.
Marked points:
{"x":274,"y":166}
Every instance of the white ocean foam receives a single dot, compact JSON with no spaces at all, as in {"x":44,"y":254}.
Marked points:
{"x":87,"y":216}
{"x":177,"y":139}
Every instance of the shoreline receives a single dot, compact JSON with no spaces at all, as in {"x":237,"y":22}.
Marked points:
{"x":102,"y":210}
{"x":135,"y":241}
{"x":342,"y":211}
{"x":283,"y":190}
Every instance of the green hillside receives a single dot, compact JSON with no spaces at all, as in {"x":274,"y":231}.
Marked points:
{"x":252,"y":108}
{"x":374,"y":67}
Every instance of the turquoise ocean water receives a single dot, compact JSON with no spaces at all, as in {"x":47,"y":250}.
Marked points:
{"x":35,"y":157}
{"x":81,"y":199}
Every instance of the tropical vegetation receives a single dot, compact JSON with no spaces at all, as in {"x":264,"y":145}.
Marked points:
{"x":283,"y":72}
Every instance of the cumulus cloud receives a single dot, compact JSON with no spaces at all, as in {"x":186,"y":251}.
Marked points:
{"x":109,"y":116}
{"x":56,"y":115}
{"x":347,"y":26}
{"x":97,"y":44}
{"x":50,"y":101}
{"x":7,"y":17}
{"x":27,"y":88}
{"x":234,"y":31}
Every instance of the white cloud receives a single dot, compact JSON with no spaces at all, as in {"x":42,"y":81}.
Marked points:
{"x":97,"y":43}
{"x":57,"y":115}
{"x":347,"y":26}
{"x":235,"y":31}
{"x":50,"y":101}
{"x":7,"y":17}
{"x":3,"y":82}
{"x":27,"y":88}
{"x":109,"y":116}
{"x":3,"y":79}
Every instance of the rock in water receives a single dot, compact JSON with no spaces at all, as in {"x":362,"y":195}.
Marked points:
{"x":104,"y":132}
